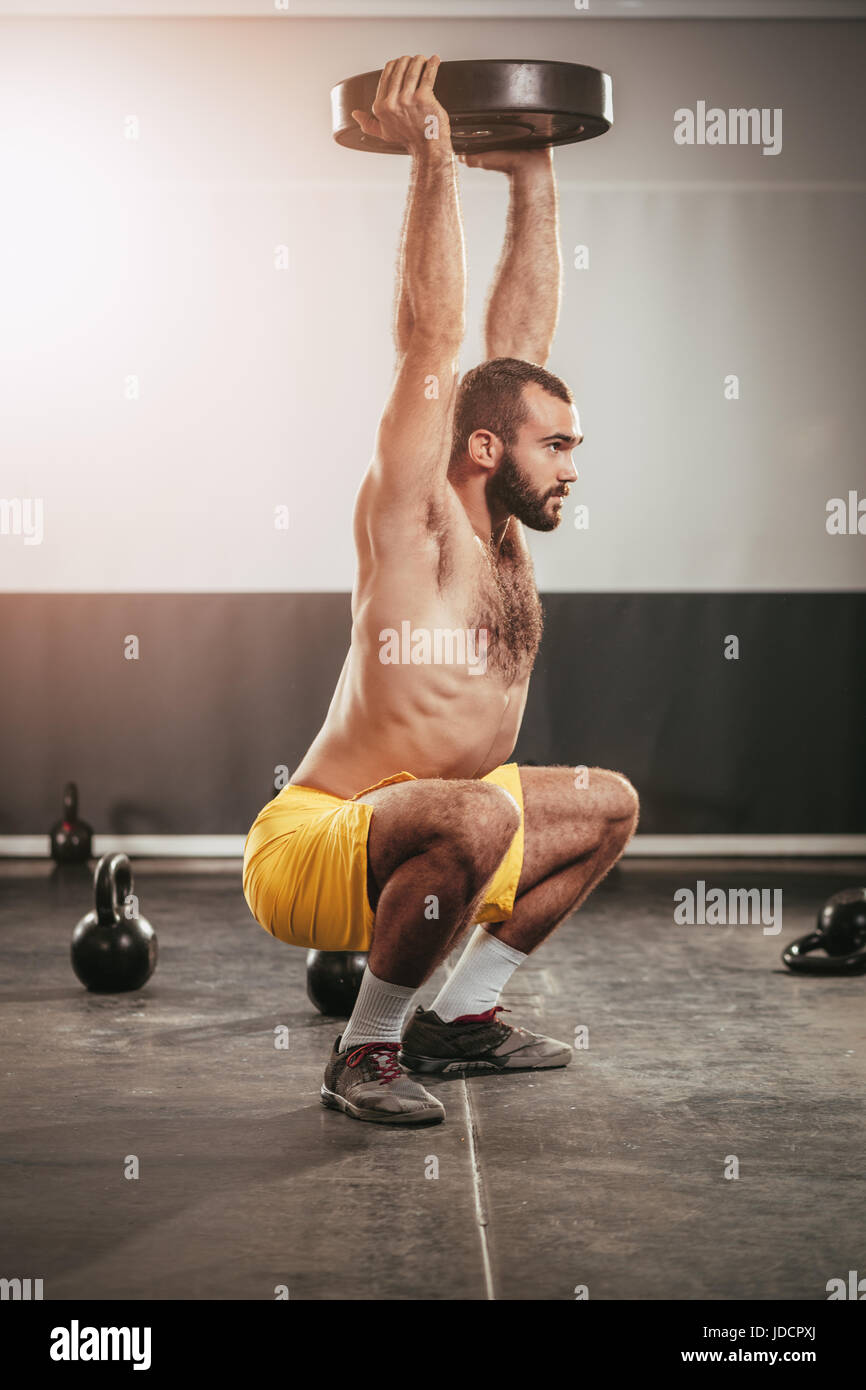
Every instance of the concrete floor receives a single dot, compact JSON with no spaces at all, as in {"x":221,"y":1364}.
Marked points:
{"x":609,"y":1173}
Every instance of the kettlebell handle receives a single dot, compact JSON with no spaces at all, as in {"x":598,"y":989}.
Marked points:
{"x":70,"y":801}
{"x":112,"y":883}
{"x":797,"y":957}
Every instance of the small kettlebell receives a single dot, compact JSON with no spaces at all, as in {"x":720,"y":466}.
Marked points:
{"x":840,"y":933}
{"x":71,"y":838}
{"x":334,"y":980}
{"x":111,"y":951}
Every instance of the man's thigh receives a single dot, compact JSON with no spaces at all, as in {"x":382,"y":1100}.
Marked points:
{"x":410,"y":816}
{"x":564,"y":820}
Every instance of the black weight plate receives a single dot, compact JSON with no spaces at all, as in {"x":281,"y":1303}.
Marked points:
{"x":493,"y":104}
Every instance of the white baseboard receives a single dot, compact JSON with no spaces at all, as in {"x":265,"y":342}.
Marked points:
{"x":642,"y":846}
{"x":745,"y":846}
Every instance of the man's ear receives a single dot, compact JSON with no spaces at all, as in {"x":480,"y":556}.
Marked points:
{"x":484,"y":448}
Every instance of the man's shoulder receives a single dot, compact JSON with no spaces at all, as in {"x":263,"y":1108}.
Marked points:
{"x":441,"y":520}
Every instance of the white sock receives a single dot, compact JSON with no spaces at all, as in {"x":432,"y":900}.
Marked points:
{"x":478,"y":978}
{"x":379,"y":1012}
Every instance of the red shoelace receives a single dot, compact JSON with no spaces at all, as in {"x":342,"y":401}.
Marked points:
{"x":489,"y":1017}
{"x":385,"y":1056}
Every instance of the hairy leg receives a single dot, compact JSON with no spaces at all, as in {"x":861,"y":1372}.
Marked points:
{"x":573,"y":837}
{"x":431,"y":850}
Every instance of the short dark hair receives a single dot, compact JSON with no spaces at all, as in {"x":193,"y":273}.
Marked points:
{"x":490,"y":397}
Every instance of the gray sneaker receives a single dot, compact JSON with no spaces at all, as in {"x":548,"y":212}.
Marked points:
{"x":368,"y":1083}
{"x":477,"y":1043}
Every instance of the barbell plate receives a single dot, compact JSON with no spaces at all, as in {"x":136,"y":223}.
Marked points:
{"x":494,"y":104}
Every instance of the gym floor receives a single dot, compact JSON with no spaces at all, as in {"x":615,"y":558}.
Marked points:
{"x":608,"y":1174}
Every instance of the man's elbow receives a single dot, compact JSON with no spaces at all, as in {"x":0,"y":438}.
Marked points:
{"x":442,"y":334}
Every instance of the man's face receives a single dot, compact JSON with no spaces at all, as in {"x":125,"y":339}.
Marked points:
{"x":532,"y":477}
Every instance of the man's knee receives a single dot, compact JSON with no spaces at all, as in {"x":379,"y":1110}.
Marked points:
{"x":480,"y":823}
{"x":619,"y":803}
{"x":626,"y":799}
{"x":468,"y":809}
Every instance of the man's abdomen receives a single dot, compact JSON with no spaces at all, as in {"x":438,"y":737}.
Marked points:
{"x":427,"y":722}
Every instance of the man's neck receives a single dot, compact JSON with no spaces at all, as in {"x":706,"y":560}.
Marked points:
{"x":491,"y":530}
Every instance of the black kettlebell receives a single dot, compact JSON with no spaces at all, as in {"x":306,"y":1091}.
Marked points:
{"x":841,"y":934}
{"x":334,"y":979}
{"x":71,"y":838}
{"x":111,"y":951}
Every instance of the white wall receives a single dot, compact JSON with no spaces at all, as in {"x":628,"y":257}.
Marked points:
{"x":154,"y":257}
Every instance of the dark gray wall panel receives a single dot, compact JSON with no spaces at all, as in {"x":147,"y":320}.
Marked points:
{"x":774,"y":743}
{"x":228,"y":686}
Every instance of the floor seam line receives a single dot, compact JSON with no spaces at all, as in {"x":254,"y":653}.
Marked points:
{"x":482,"y":1217}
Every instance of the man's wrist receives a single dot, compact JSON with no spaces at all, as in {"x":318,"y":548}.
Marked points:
{"x":434,"y":151}
{"x":533,"y":165}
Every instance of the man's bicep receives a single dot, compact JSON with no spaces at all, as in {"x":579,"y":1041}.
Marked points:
{"x":413,"y":441}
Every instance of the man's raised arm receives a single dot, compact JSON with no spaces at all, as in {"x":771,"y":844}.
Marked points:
{"x":414,"y":438}
{"x":523,"y":304}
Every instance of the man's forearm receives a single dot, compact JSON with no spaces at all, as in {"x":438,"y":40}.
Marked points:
{"x":403,"y":317}
{"x":523,"y":304}
{"x":432,"y":289}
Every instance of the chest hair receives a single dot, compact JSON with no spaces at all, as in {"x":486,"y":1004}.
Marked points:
{"x":501,"y":598}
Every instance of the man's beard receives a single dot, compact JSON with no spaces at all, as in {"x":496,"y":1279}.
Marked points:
{"x":511,"y":488}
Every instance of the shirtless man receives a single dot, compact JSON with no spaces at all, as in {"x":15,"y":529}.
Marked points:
{"x":404,"y":825}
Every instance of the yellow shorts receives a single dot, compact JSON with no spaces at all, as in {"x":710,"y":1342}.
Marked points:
{"x":305,"y":866}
